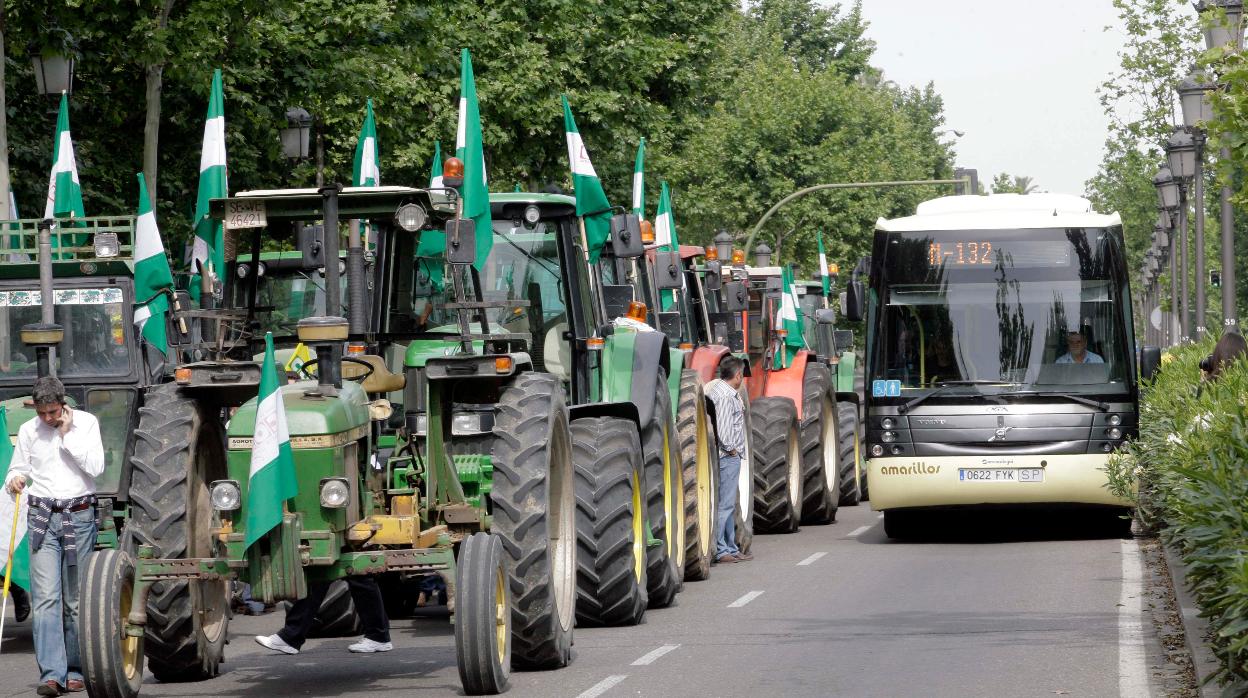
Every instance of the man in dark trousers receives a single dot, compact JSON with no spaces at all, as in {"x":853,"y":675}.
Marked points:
{"x":299,"y":617}
{"x":724,"y":393}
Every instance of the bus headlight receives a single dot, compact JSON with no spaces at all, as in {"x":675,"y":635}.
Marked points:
{"x":888,"y":437}
{"x":888,"y":423}
{"x":334,"y":492}
{"x":877,"y":450}
{"x":1114,"y":420}
{"x":225,"y":495}
{"x":1113,"y":433}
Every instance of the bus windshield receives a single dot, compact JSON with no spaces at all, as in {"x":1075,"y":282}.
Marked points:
{"x":969,"y":312}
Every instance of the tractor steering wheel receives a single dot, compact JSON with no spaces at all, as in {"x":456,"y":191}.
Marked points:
{"x":349,"y":359}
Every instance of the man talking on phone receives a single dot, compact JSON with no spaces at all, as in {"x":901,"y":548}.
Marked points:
{"x":58,"y":456}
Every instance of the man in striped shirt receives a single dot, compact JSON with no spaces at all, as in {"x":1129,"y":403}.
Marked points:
{"x":730,"y":431}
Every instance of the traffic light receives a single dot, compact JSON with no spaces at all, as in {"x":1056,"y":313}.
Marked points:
{"x":1215,"y":278}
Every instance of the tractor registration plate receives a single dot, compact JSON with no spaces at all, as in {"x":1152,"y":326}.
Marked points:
{"x":1001,"y":474}
{"x":240,"y":213}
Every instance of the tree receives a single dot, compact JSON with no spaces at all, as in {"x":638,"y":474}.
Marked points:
{"x":1005,"y":183}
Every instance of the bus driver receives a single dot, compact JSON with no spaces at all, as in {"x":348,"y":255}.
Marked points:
{"x":1077,"y":350}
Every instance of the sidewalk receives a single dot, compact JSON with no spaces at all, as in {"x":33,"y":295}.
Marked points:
{"x":1195,"y":629}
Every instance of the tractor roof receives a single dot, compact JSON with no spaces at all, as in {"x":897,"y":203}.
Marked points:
{"x":532,"y":198}
{"x":353,"y":202}
{"x":73,"y":247}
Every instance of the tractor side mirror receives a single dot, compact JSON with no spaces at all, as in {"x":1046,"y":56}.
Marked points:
{"x":713,"y":280}
{"x":1150,"y":362}
{"x":669,"y":324}
{"x":626,"y":236}
{"x":825,"y":316}
{"x":616,"y":297}
{"x":736,"y":298}
{"x":843,"y":340}
{"x":461,"y":241}
{"x":667,"y":273}
{"x":855,"y":301}
{"x":310,"y":239}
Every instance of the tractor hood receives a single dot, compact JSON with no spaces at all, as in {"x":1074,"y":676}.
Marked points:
{"x":421,"y":350}
{"x":310,"y":416}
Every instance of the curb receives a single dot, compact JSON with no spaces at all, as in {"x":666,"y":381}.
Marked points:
{"x":1195,"y":628}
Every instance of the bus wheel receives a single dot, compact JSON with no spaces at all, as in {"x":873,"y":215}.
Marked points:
{"x":900,"y":523}
{"x":777,"y":466}
{"x":482,"y":616}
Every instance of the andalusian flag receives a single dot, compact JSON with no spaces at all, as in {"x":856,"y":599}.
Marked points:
{"x":665,"y":236}
{"x":789,"y":319}
{"x":367,"y":172}
{"x":591,"y":200}
{"x":209,"y":246}
{"x":21,"y":557}
{"x":152,"y":279}
{"x":468,"y":149}
{"x":272,"y":479}
{"x":64,"y":190}
{"x":823,"y":267}
{"x":435,"y":170}
{"x":639,"y":180}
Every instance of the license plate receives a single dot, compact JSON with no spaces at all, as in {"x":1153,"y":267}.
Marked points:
{"x":1001,"y":474}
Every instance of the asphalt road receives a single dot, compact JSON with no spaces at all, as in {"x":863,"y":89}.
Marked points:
{"x":1022,"y":606}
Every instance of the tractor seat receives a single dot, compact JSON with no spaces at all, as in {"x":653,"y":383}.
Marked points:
{"x":380,"y":381}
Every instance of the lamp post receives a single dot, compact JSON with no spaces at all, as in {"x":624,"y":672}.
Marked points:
{"x":1181,"y":157}
{"x":1227,"y":33}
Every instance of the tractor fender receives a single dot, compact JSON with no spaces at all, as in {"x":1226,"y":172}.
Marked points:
{"x":705,"y":361}
{"x":620,"y":410}
{"x":630,"y":363}
{"x":787,"y":382}
{"x":848,"y":396}
{"x":845,"y":369}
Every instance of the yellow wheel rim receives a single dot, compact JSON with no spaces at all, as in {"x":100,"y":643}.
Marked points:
{"x":675,"y":514}
{"x":500,"y":616}
{"x":639,"y":530}
{"x":130,"y":647}
{"x":706,"y":506}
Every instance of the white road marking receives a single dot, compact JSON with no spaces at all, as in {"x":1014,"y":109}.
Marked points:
{"x":810,"y":559}
{"x":858,"y":531}
{"x":602,"y":686}
{"x":649,"y":657}
{"x":749,"y":596}
{"x":1132,"y":670}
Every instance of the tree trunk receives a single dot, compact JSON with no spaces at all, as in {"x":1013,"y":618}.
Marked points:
{"x":151,"y":126}
{"x":5,"y":213}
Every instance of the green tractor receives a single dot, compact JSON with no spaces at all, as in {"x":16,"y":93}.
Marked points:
{"x":498,"y":523}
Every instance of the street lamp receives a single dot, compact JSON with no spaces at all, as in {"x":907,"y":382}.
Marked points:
{"x":762,"y":255}
{"x":1167,"y":189}
{"x":723,"y":245}
{"x":1194,"y":99}
{"x":1228,"y":33}
{"x":296,"y":135}
{"x":1181,"y":153}
{"x":54,"y":68}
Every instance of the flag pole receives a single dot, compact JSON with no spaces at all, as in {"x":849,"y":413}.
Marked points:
{"x":8,"y":566}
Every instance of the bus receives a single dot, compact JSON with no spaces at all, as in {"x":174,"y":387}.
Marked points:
{"x":1000,"y":357}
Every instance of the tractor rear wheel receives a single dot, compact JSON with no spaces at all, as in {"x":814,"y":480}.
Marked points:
{"x":112,"y":662}
{"x":777,"y":466}
{"x":743,"y":513}
{"x":482,"y":616}
{"x":610,"y":522}
{"x":178,"y":451}
{"x":700,"y":471}
{"x":337,"y":616}
{"x":847,"y":441}
{"x":665,"y":503}
{"x":535,"y":515}
{"x":820,"y":455}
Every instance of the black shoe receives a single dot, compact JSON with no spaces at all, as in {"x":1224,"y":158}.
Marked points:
{"x":49,"y":688}
{"x":21,"y":603}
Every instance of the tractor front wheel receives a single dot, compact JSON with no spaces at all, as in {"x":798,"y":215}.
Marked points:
{"x":482,"y":616}
{"x":777,"y":466}
{"x":112,"y":661}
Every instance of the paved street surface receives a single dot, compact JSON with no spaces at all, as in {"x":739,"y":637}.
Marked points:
{"x":1027,"y":609}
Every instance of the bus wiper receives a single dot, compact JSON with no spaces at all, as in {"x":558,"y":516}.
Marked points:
{"x":1102,"y":406}
{"x":941,"y":387}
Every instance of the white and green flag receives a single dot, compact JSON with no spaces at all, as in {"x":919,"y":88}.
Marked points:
{"x":591,"y":200}
{"x":823,"y":267}
{"x":272,"y":479}
{"x":639,"y":180}
{"x":664,"y":224}
{"x":21,"y":552}
{"x":469,"y":149}
{"x":789,"y":319}
{"x":152,"y":278}
{"x":64,"y":190}
{"x":209,"y":245}
{"x":435,"y":170}
{"x":367,"y":171}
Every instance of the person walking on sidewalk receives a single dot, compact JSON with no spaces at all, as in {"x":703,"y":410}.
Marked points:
{"x":60,"y":453}
{"x":301,"y":614}
{"x":724,"y":393}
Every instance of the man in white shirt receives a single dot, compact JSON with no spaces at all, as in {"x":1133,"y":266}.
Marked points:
{"x":730,"y":432}
{"x":58,"y":456}
{"x":1077,"y":346}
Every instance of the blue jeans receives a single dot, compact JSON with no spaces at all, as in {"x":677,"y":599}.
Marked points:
{"x":726,"y":531}
{"x":54,"y":586}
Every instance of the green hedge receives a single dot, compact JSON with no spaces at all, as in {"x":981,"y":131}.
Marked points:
{"x":1191,"y":466}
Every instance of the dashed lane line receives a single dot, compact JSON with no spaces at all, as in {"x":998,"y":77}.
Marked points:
{"x":603,"y":686}
{"x":810,"y":559}
{"x":858,"y":531}
{"x":1132,"y":669}
{"x":649,"y":657}
{"x":748,"y":597}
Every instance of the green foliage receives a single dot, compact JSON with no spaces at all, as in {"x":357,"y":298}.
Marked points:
{"x":1189,"y":466}
{"x":1005,"y":183}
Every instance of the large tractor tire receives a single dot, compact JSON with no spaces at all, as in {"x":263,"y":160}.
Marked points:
{"x":535,"y":515}
{"x":178,"y":451}
{"x":482,"y":616}
{"x":665,"y":503}
{"x":337,"y":616}
{"x":699,"y":467}
{"x":847,"y":441}
{"x":112,"y":662}
{"x":821,"y":463}
{"x":610,"y":522}
{"x":777,"y":466}
{"x":743,"y":513}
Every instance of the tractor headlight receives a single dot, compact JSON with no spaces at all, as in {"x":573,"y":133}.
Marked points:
{"x":107,"y":245}
{"x":532,"y":215}
{"x":466,"y":423}
{"x":334,"y":492}
{"x":410,"y":217}
{"x":225,"y":495}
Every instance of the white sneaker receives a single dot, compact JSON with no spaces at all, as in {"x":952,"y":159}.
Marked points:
{"x":276,"y":643}
{"x":367,"y":646}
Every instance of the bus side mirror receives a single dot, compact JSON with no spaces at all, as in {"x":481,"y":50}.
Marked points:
{"x":713,"y":279}
{"x":736,"y":298}
{"x":626,"y":236}
{"x":461,"y":241}
{"x":310,"y":239}
{"x":855,"y":300}
{"x":1150,"y":362}
{"x":667,"y":273}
